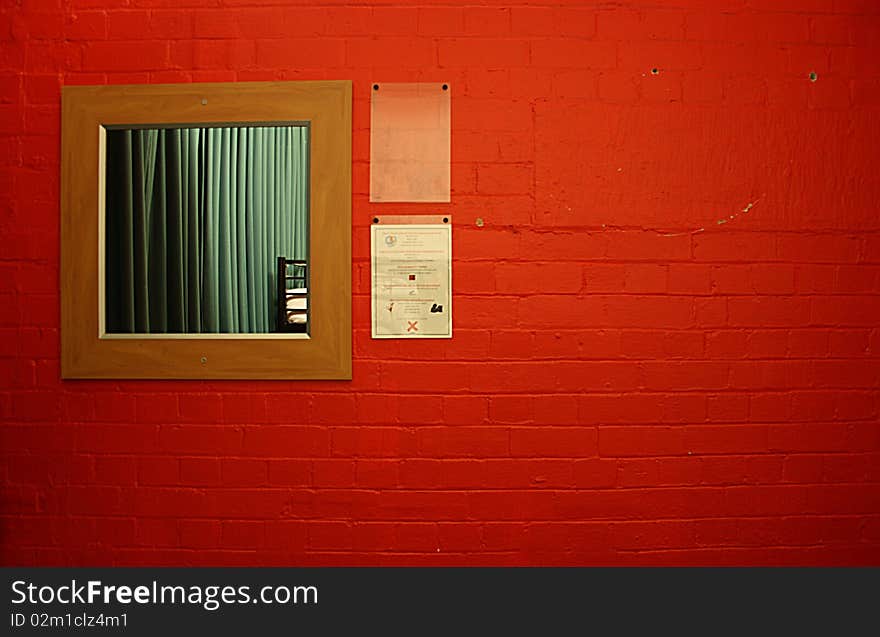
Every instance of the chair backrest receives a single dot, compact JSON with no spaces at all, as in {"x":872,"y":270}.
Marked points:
{"x":293,"y":285}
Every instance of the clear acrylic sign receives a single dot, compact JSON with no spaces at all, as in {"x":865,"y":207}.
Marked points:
{"x":410,"y":142}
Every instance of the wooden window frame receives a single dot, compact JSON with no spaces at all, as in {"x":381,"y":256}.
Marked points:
{"x":87,"y":351}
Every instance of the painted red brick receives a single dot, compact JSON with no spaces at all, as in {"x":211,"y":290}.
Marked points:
{"x":630,"y":381}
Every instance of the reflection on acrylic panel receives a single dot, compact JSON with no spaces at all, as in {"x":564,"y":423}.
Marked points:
{"x":207,"y":229}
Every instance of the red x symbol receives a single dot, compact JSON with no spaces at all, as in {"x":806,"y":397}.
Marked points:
{"x":412,"y":326}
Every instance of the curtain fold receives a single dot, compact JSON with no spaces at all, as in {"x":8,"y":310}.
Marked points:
{"x":195,"y":219}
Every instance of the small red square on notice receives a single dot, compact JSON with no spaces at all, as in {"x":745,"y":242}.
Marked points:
{"x":412,"y":277}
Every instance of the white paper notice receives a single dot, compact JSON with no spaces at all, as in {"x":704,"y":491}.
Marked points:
{"x":412,"y":280}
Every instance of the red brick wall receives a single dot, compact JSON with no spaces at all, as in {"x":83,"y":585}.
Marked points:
{"x":631,"y":381}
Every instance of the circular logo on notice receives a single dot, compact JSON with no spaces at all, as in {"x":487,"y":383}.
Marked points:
{"x":390,"y":240}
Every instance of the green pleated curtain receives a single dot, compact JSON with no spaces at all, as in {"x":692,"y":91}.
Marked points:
{"x":195,"y":220}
